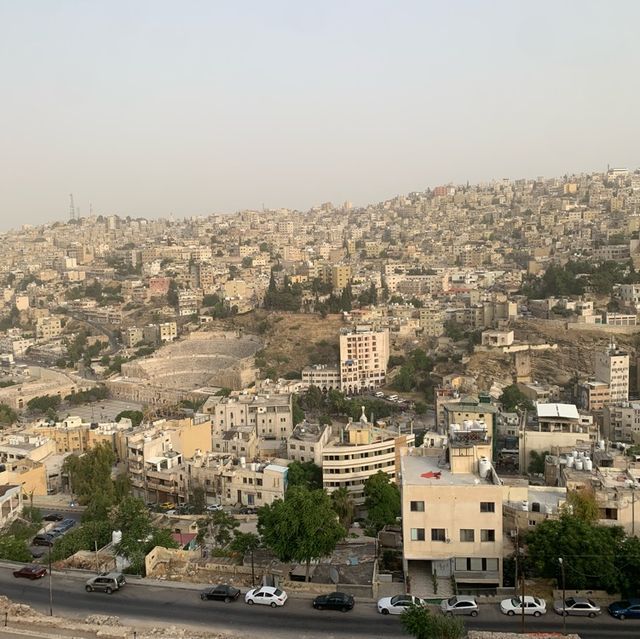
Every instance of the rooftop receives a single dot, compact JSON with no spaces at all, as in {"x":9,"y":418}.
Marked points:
{"x":561,"y":411}
{"x":426,"y":471}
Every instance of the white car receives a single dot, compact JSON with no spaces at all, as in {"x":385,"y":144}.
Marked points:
{"x":398,"y":604}
{"x":532,"y":606}
{"x":267,"y":595}
{"x":459,"y":605}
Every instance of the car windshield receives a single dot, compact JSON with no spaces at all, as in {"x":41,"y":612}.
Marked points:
{"x":452,"y":601}
{"x":398,"y":599}
{"x":277,"y":592}
{"x":570,"y":602}
{"x":623,"y":604}
{"x":515,"y":602}
{"x":592,"y":603}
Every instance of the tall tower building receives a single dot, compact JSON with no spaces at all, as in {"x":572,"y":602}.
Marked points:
{"x":612,"y":367}
{"x":364,"y":354}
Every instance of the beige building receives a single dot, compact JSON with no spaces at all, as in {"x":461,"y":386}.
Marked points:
{"x":307,"y":442}
{"x":612,"y":367}
{"x":10,"y":503}
{"x":452,"y":515}
{"x":340,"y":276}
{"x":621,"y":422}
{"x":364,"y":354}
{"x":362,"y":450}
{"x":323,"y":376}
{"x":30,"y":475}
{"x":48,"y":328}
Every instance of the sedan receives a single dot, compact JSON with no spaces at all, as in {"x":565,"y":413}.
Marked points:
{"x":44,"y":540}
{"x":53,"y":517}
{"x":222,"y":592}
{"x":31,"y":571}
{"x":267,"y":596}
{"x":398,"y":604}
{"x":628,"y":609}
{"x":334,"y":601}
{"x":579,"y":606}
{"x":459,"y":605}
{"x":532,"y":606}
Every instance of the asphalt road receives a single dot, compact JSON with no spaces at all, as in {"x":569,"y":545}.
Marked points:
{"x":142,"y":604}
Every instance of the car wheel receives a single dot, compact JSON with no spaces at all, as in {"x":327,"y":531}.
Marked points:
{"x":621,"y":617}
{"x":108,"y":590}
{"x":537,"y":613}
{"x":592,"y":615}
{"x":345,"y":608}
{"x":273,"y":604}
{"x":227,"y":599}
{"x":384,"y":611}
{"x":449,"y":613}
{"x":318,"y":607}
{"x":203,"y":597}
{"x":88,"y":588}
{"x":474,"y":613}
{"x":251,"y":602}
{"x":511,"y":613}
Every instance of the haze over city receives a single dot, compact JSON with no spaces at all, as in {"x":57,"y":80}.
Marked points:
{"x":154,"y":108}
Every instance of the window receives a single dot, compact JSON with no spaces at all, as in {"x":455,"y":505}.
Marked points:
{"x":417,"y":506}
{"x":467,"y":534}
{"x":487,"y":534}
{"x":487,"y":507}
{"x":438,"y":534}
{"x":417,"y":534}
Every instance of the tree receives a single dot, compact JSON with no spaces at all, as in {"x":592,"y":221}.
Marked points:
{"x":344,"y":506}
{"x":7,"y":415}
{"x":302,"y":527}
{"x":135,"y":416}
{"x":217,"y":526}
{"x":132,"y":518}
{"x":513,"y":399}
{"x":382,"y":502}
{"x":198,"y":500}
{"x":244,"y":543}
{"x":453,"y":330}
{"x":536,"y":463}
{"x":420,"y":622}
{"x":43,"y":403}
{"x":313,"y":399}
{"x":583,"y":505}
{"x":14,"y":548}
{"x":305,"y":474}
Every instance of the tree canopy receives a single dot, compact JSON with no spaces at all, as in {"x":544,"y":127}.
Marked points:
{"x":513,"y":399}
{"x":305,"y":474}
{"x":382,"y":502}
{"x":302,"y":527}
{"x":420,"y":622}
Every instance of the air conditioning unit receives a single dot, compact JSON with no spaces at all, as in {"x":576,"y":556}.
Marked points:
{"x":448,"y":540}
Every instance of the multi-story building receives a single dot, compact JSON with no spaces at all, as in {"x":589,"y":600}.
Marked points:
{"x":323,"y":376}
{"x":307,"y":442}
{"x":452,"y":513}
{"x":340,"y":276}
{"x":48,"y":328}
{"x":621,"y":422}
{"x":362,"y":450}
{"x":593,"y":395}
{"x":612,"y":367}
{"x":364,"y":354}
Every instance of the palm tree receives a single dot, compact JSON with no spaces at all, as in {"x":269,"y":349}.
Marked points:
{"x":344,"y":506}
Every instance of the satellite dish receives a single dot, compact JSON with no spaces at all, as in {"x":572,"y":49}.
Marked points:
{"x":333,"y":575}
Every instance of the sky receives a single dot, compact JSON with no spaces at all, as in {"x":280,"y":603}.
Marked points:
{"x":151,"y":108}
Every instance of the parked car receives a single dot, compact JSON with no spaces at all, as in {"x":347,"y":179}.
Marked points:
{"x":45,"y":539}
{"x":53,"y":517}
{"x":167,"y":505}
{"x":248,"y":510}
{"x":627,"y":609}
{"x":460,"y":605}
{"x":221,"y":592}
{"x":267,"y":595}
{"x":334,"y":601}
{"x":106,"y":582}
{"x":532,"y":606}
{"x":31,"y":571}
{"x":213,"y":508}
{"x":579,"y":606}
{"x":66,"y":524}
{"x":398,"y":604}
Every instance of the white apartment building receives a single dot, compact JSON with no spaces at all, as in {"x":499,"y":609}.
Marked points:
{"x":48,"y":328}
{"x":322,"y":375}
{"x":612,"y":367}
{"x":307,"y":442}
{"x":364,"y":353}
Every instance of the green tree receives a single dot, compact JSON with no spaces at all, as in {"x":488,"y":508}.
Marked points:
{"x":198,"y":500}
{"x":132,"y":518}
{"x":135,"y":416}
{"x":583,"y":505}
{"x":302,"y":527}
{"x":420,"y":408}
{"x":421,"y":623}
{"x":344,"y":506}
{"x":43,"y":403}
{"x":297,"y":410}
{"x":83,"y":537}
{"x":218,"y":526}
{"x":536,"y":462}
{"x":453,"y":330}
{"x":8,"y":416}
{"x":313,"y":399}
{"x":405,"y":380}
{"x":628,"y":567}
{"x":14,"y":548}
{"x":305,"y":474}
{"x":382,"y":502}
{"x":513,"y":399}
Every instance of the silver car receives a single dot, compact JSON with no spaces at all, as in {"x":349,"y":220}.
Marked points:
{"x":578,"y":606}
{"x":459,"y":605}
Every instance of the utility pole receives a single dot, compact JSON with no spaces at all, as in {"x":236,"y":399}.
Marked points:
{"x":564,"y":597}
{"x":50,"y":584}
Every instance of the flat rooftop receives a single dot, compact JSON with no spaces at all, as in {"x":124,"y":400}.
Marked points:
{"x":425,"y":471}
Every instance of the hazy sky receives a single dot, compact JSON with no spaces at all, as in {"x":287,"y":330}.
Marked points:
{"x":147,"y":108}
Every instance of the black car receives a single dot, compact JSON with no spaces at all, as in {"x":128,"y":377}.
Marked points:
{"x":53,"y":517}
{"x":248,"y":510}
{"x":222,"y":592}
{"x":43,"y":540}
{"x":334,"y":601}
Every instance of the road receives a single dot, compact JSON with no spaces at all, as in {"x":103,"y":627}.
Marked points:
{"x":138,"y":603}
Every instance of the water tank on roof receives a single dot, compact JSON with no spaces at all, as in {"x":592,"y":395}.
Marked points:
{"x":243,"y":461}
{"x":588,"y":464}
{"x":601,"y":444}
{"x":484,"y":467}
{"x":524,"y":505}
{"x":468,"y":424}
{"x":579,"y":464}
{"x":570,"y":461}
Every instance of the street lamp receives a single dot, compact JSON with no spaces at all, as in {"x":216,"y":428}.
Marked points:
{"x":50,"y":583}
{"x":564,"y":597}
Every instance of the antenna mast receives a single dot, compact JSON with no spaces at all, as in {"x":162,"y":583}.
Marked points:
{"x":72,"y":208}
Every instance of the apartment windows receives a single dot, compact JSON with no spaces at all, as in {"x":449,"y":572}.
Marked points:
{"x":487,"y":507}
{"x":417,"y":506}
{"x":467,"y":534}
{"x":417,"y":534}
{"x":438,"y":534}
{"x":487,"y":534}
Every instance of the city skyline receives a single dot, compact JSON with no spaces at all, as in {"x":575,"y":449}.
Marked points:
{"x":147,"y":110}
